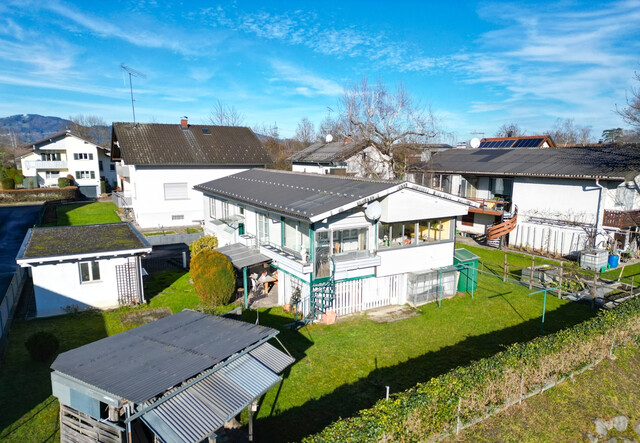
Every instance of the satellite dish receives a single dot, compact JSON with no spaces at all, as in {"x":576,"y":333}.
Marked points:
{"x":373,"y":211}
{"x":329,"y":138}
{"x":475,"y":142}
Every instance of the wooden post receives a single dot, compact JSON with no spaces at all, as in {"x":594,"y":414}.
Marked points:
{"x":621,"y":271}
{"x":560,"y":280}
{"x":506,"y":268}
{"x":533,"y":264}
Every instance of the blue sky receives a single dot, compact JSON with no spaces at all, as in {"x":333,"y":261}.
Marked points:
{"x":478,"y":65}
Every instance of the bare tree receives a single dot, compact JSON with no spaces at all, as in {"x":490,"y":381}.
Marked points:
{"x":631,"y":113}
{"x":224,"y":115}
{"x":338,"y":127}
{"x":567,"y":133}
{"x":305,"y":132}
{"x":510,"y":130}
{"x":387,"y":120}
{"x":92,"y":128}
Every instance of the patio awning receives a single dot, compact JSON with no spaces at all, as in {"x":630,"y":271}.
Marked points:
{"x":197,"y":412}
{"x":242,"y":256}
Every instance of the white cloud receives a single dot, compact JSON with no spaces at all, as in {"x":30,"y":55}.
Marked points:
{"x":305,"y":83}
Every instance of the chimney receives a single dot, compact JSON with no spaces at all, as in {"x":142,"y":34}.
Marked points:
{"x":348,"y":139}
{"x":184,"y":122}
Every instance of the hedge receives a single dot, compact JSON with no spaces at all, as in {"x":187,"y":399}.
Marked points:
{"x":63,"y":182}
{"x":39,"y":194}
{"x":465,"y":395}
{"x":7,"y":183}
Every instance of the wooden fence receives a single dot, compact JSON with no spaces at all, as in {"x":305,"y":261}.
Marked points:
{"x":8,"y":304}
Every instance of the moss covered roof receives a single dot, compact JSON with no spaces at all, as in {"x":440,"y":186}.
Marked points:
{"x":84,"y":239}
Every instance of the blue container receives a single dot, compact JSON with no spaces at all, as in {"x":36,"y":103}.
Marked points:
{"x":613,"y":261}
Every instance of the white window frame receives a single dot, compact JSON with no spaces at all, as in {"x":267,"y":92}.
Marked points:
{"x":85,"y":174}
{"x":90,"y":270}
{"x":212,"y":207}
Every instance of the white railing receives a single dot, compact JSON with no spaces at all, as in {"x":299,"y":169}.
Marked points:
{"x":368,"y":293}
{"x":9,"y":301}
{"x":46,"y":164}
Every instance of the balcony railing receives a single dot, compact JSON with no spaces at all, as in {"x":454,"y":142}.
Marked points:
{"x":621,"y":219}
{"x":122,"y":171}
{"x":121,"y":200}
{"x":46,"y":164}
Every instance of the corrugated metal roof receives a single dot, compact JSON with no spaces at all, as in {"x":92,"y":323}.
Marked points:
{"x":272,"y":357}
{"x":85,"y":239}
{"x":165,"y":144}
{"x":242,"y":256}
{"x":301,"y":195}
{"x":195,"y":413}
{"x":327,"y":152}
{"x":621,"y":163}
{"x":144,"y":362}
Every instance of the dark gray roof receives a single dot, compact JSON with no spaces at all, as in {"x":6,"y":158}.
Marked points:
{"x":301,"y":195}
{"x":165,"y":144}
{"x":144,"y":362}
{"x":84,"y":239}
{"x":242,"y":256}
{"x":327,"y":152}
{"x":620,"y":163}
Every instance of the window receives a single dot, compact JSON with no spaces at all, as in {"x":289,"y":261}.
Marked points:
{"x":177,"y":217}
{"x":49,"y":157}
{"x":89,"y":271}
{"x":51,"y":174}
{"x":350,"y":240}
{"x":468,"y":187}
{"x":112,"y":167}
{"x":467,"y":219}
{"x":393,"y":235}
{"x":83,"y":156}
{"x":85,"y":174}
{"x":225,"y":210}
{"x":175,"y":191}
{"x":212,"y":207}
{"x":263,"y":228}
{"x":296,"y":235}
{"x":100,"y":165}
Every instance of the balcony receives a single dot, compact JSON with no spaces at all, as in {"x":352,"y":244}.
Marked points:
{"x":46,"y":164}
{"x":349,"y":261}
{"x":285,"y":257}
{"x":621,"y":219}
{"x":121,"y":200}
{"x":489,"y":206}
{"x":122,"y":171}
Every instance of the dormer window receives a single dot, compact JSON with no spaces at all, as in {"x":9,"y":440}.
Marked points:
{"x":206,"y":131}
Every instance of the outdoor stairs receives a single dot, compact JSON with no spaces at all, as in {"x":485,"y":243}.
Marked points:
{"x":322,"y":295}
{"x":497,"y":231}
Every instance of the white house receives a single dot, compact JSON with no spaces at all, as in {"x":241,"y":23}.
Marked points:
{"x":349,"y":244}
{"x":565,"y":197}
{"x":158,"y":165}
{"x":80,"y":267}
{"x":65,"y":154}
{"x":344,"y":157}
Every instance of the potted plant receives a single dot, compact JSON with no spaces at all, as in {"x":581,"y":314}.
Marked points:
{"x":294,"y":300}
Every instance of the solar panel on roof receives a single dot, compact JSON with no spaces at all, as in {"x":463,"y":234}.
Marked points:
{"x":483,"y":145}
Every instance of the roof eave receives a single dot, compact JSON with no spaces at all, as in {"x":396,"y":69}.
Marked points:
{"x":520,"y":174}
{"x":30,"y":261}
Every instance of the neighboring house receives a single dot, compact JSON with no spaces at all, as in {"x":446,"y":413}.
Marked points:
{"x":158,"y":165}
{"x":349,"y":244}
{"x":524,"y":141}
{"x":177,"y":379}
{"x":345,"y":157}
{"x":564,"y":197}
{"x":65,"y":154}
{"x":80,"y":267}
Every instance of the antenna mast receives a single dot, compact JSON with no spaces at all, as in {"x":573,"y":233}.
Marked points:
{"x":132,"y":73}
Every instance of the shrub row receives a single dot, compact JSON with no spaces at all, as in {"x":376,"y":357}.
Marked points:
{"x":40,"y":194}
{"x":466,"y":394}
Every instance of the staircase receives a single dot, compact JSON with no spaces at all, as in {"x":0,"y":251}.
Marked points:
{"x":499,"y":230}
{"x":322,"y":296}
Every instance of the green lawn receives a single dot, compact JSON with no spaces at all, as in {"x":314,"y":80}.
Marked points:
{"x":339,"y":369}
{"x":85,"y":214}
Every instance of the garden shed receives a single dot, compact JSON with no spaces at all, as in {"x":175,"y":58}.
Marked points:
{"x":178,"y":379}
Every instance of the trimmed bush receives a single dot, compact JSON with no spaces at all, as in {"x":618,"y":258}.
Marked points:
{"x":42,"y":346}
{"x":103,"y":187}
{"x":214,"y":278}
{"x":19,"y":179}
{"x":7,"y":183}
{"x":433,"y":409}
{"x":205,"y":243}
{"x":63,"y":182}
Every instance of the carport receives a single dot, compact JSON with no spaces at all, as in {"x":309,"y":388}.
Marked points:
{"x":242,"y":257}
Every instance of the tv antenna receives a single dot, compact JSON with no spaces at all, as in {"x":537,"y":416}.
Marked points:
{"x":132,"y":73}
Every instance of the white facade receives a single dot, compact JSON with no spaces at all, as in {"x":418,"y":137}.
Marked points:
{"x":69,"y":155}
{"x":164,"y":197}
{"x":370,"y":259}
{"x":59,"y":287}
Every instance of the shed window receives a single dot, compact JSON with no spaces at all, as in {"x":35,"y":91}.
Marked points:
{"x":175,"y":191}
{"x":89,"y":271}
